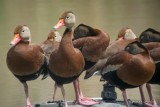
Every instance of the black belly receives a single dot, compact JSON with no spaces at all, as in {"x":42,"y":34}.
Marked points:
{"x":156,"y":77}
{"x":112,"y":78}
{"x":62,"y":80}
{"x":30,"y":77}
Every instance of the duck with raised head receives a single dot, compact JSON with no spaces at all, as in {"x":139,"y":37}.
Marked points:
{"x":26,"y":61}
{"x":66,"y":63}
{"x":129,"y":68}
{"x":89,"y":39}
{"x":151,"y":40}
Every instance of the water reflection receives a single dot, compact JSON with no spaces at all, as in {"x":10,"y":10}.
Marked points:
{"x":41,"y":15}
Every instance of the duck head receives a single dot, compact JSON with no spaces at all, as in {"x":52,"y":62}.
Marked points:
{"x":135,"y":48}
{"x":127,"y":34}
{"x":149,"y":35}
{"x":54,"y":36}
{"x":67,"y":19}
{"x":21,"y":33}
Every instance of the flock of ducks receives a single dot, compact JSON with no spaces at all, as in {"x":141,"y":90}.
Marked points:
{"x":127,"y":62}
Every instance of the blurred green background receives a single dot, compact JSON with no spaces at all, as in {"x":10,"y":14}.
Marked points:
{"x":40,"y":16}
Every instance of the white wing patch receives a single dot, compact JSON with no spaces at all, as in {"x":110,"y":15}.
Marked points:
{"x":97,"y":73}
{"x":156,"y":62}
{"x":110,"y":68}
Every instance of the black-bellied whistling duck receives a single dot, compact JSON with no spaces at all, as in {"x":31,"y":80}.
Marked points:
{"x":127,"y":34}
{"x":124,"y":37}
{"x":151,"y":40}
{"x":149,"y":35}
{"x":129,"y":68}
{"x":67,"y":63}
{"x":26,"y":61}
{"x":89,"y":39}
{"x":51,"y":43}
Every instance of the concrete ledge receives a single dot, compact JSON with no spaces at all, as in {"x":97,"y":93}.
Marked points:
{"x":102,"y":104}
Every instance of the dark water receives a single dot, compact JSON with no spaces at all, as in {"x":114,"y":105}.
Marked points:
{"x":41,"y":15}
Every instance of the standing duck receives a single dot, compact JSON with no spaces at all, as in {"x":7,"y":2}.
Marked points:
{"x":66,"y":63}
{"x":86,"y":38}
{"x":151,"y":40}
{"x":129,"y":68}
{"x":26,"y":61}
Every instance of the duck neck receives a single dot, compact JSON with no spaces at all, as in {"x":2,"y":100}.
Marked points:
{"x":67,"y":39}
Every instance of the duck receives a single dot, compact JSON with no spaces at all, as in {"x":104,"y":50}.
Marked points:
{"x":153,"y":47}
{"x":26,"y":61}
{"x":51,"y":43}
{"x":66,"y":63}
{"x":128,"y":68}
{"x":85,"y":38}
{"x":149,"y":35}
{"x":150,"y":39}
{"x":125,"y":36}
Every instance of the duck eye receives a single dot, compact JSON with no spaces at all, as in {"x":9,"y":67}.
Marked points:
{"x":67,"y":17}
{"x":142,"y":37}
{"x":22,"y":30}
{"x":127,"y":48}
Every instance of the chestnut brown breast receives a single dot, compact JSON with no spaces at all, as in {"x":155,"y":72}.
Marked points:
{"x":24,"y":59}
{"x":66,"y":61}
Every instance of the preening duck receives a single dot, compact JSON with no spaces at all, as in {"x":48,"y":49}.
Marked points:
{"x":124,"y":37}
{"x":151,"y":40}
{"x":26,"y":61}
{"x":128,"y":68}
{"x":92,"y":43}
{"x":149,"y":35}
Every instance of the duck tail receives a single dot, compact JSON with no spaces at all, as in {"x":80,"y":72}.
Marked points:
{"x":44,"y":71}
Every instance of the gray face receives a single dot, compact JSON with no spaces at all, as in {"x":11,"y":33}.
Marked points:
{"x":129,"y":34}
{"x":25,"y":34}
{"x":70,"y":20}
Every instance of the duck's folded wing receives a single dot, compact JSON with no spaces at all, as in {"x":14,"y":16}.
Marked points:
{"x":155,"y":54}
{"x":77,"y":43}
{"x":112,"y":62}
{"x":151,"y":45}
{"x":115,"y":61}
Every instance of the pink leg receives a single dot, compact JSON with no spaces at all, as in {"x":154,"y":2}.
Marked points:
{"x":28,"y":103}
{"x":54,"y":93}
{"x":125,"y":97}
{"x":152,"y":100}
{"x":142,"y":94}
{"x":79,"y":96}
{"x":64,"y":97}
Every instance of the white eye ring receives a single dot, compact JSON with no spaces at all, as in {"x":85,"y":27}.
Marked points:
{"x":142,"y":37}
{"x":67,"y":17}
{"x":128,"y":48}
